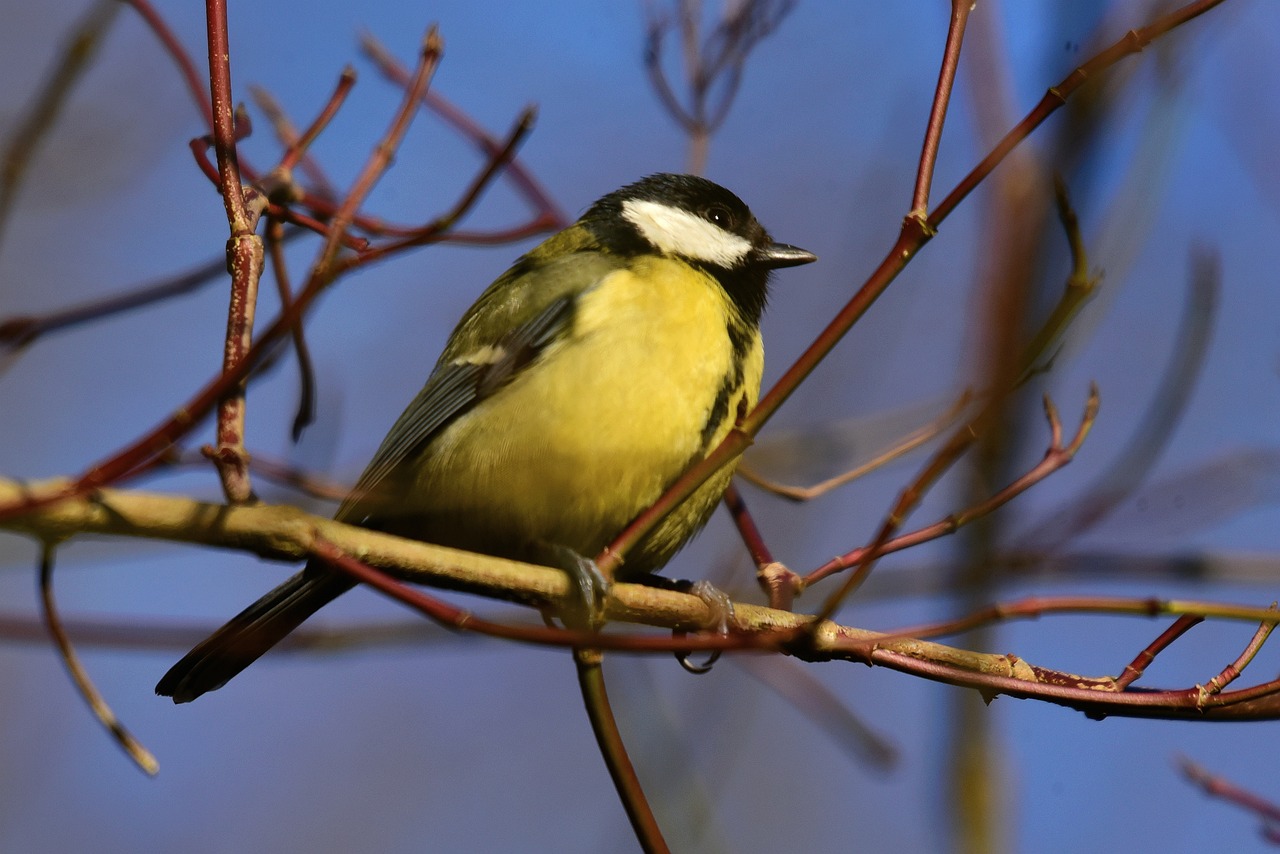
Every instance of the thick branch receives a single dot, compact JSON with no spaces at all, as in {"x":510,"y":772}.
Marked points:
{"x":286,"y":533}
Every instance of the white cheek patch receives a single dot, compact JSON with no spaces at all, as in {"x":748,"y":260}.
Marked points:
{"x":678,"y":232}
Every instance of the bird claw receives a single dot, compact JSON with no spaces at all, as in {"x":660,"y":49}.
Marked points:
{"x":718,"y":603}
{"x":592,"y":587}
{"x":722,"y":616}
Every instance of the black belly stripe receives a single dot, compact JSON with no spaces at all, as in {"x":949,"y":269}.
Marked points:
{"x":740,"y":340}
{"x":719,"y":410}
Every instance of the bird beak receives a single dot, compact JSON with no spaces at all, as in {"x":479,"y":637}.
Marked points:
{"x":775,"y":255}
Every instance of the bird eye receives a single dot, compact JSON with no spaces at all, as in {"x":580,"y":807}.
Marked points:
{"x":720,"y":215}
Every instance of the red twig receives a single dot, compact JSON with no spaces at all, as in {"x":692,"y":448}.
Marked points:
{"x":1134,"y":669}
{"x":1261,"y":702}
{"x":306,"y":411}
{"x":747,"y":526}
{"x":89,"y":692}
{"x":297,"y":149}
{"x":938,"y":110}
{"x":438,"y":229}
{"x":614,"y":752}
{"x":1056,"y":456}
{"x":1222,"y":788}
{"x":145,"y":450}
{"x":244,"y":260}
{"x":178,"y":53}
{"x":779,"y":583}
{"x":1233,"y":670}
{"x":1130,"y":43}
{"x":547,"y":216}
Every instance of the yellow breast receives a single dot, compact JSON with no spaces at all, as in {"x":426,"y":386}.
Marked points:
{"x":599,"y":425}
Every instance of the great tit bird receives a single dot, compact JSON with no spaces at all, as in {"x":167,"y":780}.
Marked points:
{"x":576,"y":389}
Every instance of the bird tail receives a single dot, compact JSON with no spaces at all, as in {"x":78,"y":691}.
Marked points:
{"x":243,"y":640}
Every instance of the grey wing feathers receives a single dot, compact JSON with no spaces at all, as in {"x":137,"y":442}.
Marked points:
{"x":450,"y":392}
{"x":454,"y":388}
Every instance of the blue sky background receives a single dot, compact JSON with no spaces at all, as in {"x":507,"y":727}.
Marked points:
{"x":466,"y":744}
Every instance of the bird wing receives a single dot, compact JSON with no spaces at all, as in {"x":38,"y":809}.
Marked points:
{"x":536,"y":312}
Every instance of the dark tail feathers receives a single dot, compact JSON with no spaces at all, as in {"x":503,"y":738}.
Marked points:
{"x":249,"y":634}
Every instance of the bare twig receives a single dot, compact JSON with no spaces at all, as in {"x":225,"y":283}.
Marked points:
{"x":306,"y":411}
{"x":434,"y":231}
{"x":1056,"y":456}
{"x":92,"y":697}
{"x":614,"y":752}
{"x":546,"y":215}
{"x":960,"y":10}
{"x":297,"y":144}
{"x":1219,"y":787}
{"x":29,"y":132}
{"x":244,"y":260}
{"x":1132,"y":42}
{"x":779,"y":583}
{"x":325,"y":267}
{"x":817,"y":702}
{"x":1134,"y":669}
{"x":1232,"y":671}
{"x":713,"y":66}
{"x":1139,"y":455}
{"x":899,"y":448}
{"x":149,"y":448}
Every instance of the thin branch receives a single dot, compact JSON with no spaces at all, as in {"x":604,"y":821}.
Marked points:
{"x":224,"y":125}
{"x":546,"y":215}
{"x":1132,"y":42}
{"x":1034,"y":607}
{"x":181,"y":58}
{"x":1134,"y":669}
{"x":1233,"y":670}
{"x":960,"y":10}
{"x":979,"y":426}
{"x":614,"y":752}
{"x":141,"y":757}
{"x":244,"y":260}
{"x":149,"y":448}
{"x":896,"y":450}
{"x":1220,"y":787}
{"x":822,"y":706}
{"x":747,"y":527}
{"x":1055,"y":457}
{"x":429,"y":59}
{"x":297,"y":145}
{"x":436,"y":230}
{"x":30,"y":130}
{"x":779,"y":583}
